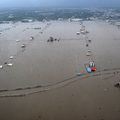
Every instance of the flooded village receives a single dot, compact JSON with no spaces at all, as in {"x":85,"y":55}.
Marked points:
{"x":61,"y":68}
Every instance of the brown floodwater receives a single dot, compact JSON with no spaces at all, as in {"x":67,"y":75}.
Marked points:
{"x":43,"y":84}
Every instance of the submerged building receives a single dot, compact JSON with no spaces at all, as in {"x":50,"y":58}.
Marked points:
{"x":75,"y":20}
{"x":27,"y":20}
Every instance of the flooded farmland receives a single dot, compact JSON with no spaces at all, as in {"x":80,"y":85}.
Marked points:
{"x":42,"y":81}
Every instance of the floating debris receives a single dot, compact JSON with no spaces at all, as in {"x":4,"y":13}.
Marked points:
{"x":82,"y":31}
{"x":115,"y":72}
{"x":17,"y":40}
{"x":5,"y":63}
{"x":86,"y":32}
{"x":37,"y":28}
{"x":10,"y":65}
{"x":87,"y":45}
{"x":89,"y":40}
{"x":1,"y":66}
{"x":105,"y":89}
{"x":11,"y":57}
{"x":117,"y":84}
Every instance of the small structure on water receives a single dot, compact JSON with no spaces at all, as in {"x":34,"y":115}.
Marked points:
{"x":93,"y":69}
{"x":88,"y":70}
{"x":23,"y":46}
{"x":88,"y":54}
{"x":117,"y":84}
{"x":51,"y":39}
{"x":31,"y":38}
{"x":91,"y":64}
{"x":78,"y":33}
